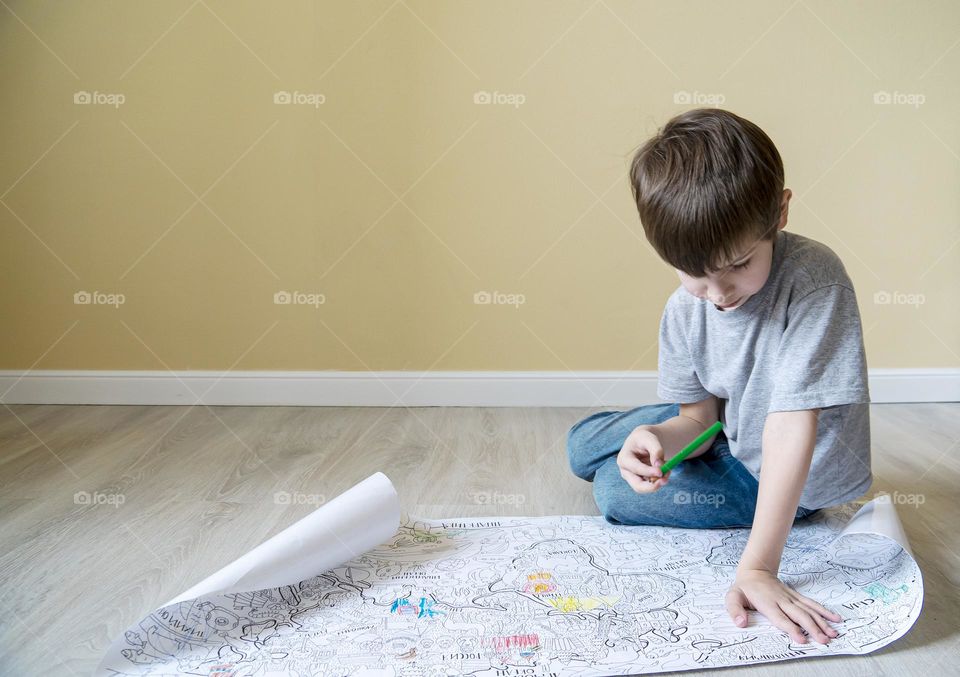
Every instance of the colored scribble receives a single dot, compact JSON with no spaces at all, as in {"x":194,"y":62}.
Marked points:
{"x":540,"y":583}
{"x":425,"y":608}
{"x":421,"y":536}
{"x":526,"y":646}
{"x":581,"y":603}
{"x":223,"y":670}
{"x":885,"y":594}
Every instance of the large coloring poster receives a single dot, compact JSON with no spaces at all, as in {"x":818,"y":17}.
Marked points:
{"x":498,"y":597}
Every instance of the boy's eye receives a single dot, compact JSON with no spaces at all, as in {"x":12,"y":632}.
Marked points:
{"x":741,"y":266}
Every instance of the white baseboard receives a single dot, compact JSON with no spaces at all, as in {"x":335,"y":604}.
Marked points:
{"x":914,"y":385}
{"x":400,"y":388}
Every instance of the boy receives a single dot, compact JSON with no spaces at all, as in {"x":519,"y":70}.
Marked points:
{"x":764,"y":334}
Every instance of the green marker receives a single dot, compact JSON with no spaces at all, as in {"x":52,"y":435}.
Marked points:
{"x":689,"y":449}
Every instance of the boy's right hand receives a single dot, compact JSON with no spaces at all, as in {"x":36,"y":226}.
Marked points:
{"x":640,"y":459}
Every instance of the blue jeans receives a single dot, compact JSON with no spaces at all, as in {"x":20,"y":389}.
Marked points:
{"x":713,"y":490}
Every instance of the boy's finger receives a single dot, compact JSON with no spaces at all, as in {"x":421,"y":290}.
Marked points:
{"x":780,"y":620}
{"x":822,"y":623}
{"x":734,"y":604}
{"x":820,"y":609}
{"x":804,"y":619}
{"x":633,"y":464}
{"x":637,"y":483}
{"x":660,"y":480}
{"x":656,"y":456}
{"x":818,"y":614}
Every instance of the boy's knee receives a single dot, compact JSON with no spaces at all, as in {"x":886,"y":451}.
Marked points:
{"x":620,"y":504}
{"x":576,"y":453}
{"x":607,"y":492}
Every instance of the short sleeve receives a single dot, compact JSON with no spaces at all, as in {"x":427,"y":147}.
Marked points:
{"x":820,"y":361}
{"x":677,"y":379}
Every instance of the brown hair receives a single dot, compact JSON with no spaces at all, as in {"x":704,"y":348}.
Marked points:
{"x":705,"y":183}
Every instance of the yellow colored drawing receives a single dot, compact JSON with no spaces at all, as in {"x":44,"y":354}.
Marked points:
{"x":582,"y":603}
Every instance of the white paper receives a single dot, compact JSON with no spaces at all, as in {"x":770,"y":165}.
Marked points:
{"x":346,"y":527}
{"x":511,"y":596}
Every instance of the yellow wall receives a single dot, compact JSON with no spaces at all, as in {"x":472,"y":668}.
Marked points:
{"x":398,"y":198}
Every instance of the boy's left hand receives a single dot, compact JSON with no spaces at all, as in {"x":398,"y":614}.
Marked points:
{"x":786,"y":609}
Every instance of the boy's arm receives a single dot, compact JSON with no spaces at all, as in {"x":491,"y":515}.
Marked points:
{"x":649,"y":446}
{"x":675,"y":433}
{"x":789,"y":438}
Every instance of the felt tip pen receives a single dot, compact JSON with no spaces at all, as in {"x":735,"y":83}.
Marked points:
{"x":689,"y":449}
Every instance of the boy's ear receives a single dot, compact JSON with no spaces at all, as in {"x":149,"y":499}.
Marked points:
{"x":784,"y":208}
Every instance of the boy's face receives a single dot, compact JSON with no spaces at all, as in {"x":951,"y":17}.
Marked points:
{"x":738,"y":279}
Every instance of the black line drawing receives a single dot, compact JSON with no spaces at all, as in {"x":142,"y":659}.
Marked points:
{"x":531,"y":596}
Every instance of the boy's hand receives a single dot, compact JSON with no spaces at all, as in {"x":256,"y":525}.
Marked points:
{"x":640,"y":459}
{"x":786,"y":609}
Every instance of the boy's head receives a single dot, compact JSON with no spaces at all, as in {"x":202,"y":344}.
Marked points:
{"x":709,"y":190}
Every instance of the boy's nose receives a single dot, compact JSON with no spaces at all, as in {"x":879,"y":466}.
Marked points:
{"x":720,"y":297}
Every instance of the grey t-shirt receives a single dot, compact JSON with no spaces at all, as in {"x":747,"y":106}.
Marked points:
{"x":795,"y":344}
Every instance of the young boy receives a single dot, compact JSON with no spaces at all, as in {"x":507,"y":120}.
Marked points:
{"x":763,"y":334}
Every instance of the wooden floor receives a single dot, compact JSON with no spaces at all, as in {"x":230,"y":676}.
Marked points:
{"x":197,"y":487}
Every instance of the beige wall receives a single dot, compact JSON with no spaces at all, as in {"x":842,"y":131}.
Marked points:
{"x":398,"y":198}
